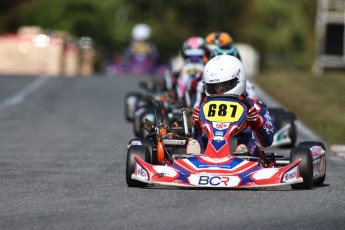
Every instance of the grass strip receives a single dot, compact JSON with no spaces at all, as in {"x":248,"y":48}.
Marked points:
{"x":317,"y":101}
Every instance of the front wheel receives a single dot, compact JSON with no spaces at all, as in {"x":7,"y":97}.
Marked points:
{"x":306,"y":167}
{"x":135,"y":150}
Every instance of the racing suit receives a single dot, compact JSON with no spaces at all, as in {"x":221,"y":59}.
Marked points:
{"x":183,"y":80}
{"x":196,"y":89}
{"x":140,"y":56}
{"x":259,"y":130}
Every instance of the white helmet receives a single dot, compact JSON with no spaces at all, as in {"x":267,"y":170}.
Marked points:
{"x":141,"y":32}
{"x":224,"y":75}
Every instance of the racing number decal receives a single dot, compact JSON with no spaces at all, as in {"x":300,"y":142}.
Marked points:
{"x":140,"y":47}
{"x":192,"y":71}
{"x":223,"y":111}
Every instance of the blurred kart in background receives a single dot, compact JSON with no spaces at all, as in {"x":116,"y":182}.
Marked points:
{"x":171,"y":92}
{"x":286,"y":132}
{"x":140,"y":106}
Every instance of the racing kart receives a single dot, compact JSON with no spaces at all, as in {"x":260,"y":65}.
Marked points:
{"x":135,"y":100}
{"x":169,"y":156}
{"x":139,"y":107}
{"x":170,"y":113}
{"x":286,"y":131}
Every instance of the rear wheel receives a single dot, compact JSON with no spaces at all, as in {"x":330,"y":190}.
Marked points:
{"x":289,"y":119}
{"x":150,"y":116}
{"x":147,"y":112}
{"x":308,"y":144}
{"x":137,"y":120}
{"x":306,"y":167}
{"x":135,"y":150}
{"x":131,"y":104}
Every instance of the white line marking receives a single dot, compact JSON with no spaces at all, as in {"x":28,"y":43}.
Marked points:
{"x":22,"y":94}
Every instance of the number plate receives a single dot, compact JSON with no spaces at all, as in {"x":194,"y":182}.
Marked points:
{"x":223,"y":111}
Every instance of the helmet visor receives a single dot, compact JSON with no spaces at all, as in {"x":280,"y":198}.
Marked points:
{"x":222,"y":87}
{"x":195,"y":58}
{"x":225,"y":47}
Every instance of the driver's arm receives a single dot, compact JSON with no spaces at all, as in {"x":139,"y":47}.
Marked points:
{"x":261,"y":123}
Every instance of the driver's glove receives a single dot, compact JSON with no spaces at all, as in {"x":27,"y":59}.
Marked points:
{"x":254,"y":119}
{"x":196,"y":117}
{"x":196,"y":122}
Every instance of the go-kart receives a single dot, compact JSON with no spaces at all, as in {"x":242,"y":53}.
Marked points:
{"x":169,"y":156}
{"x":286,"y":132}
{"x":135,"y":100}
{"x":169,"y":111}
{"x":139,"y":107}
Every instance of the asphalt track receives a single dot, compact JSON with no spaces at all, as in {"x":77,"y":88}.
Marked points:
{"x":62,"y":166}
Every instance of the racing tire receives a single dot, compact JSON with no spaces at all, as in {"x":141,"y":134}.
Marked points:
{"x":289,"y":118}
{"x":129,"y":113}
{"x":144,"y":154}
{"x":143,"y":133}
{"x":149,"y":143}
{"x":139,"y":121}
{"x":306,"y":167}
{"x":308,"y":144}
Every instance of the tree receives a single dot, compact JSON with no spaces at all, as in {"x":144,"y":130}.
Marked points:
{"x":281,"y":30}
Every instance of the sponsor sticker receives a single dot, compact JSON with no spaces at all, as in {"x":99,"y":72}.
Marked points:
{"x":174,"y":142}
{"x":290,"y":175}
{"x":136,"y":142}
{"x":140,"y":172}
{"x":221,"y":125}
{"x":214,"y":181}
{"x":218,"y":133}
{"x":316,"y":149}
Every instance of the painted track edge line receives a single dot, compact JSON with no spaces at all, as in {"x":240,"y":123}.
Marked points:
{"x":20,"y":96}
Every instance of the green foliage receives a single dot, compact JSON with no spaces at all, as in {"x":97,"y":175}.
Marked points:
{"x":317,"y":101}
{"x":281,"y":30}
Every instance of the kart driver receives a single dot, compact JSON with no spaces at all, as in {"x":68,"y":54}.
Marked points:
{"x":195,"y":54}
{"x":225,"y":75}
{"x":141,"y":50}
{"x":222,"y":43}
